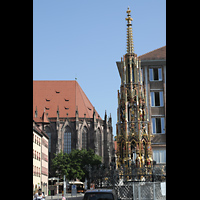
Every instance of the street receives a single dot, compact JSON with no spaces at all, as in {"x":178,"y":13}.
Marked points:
{"x":68,"y":197}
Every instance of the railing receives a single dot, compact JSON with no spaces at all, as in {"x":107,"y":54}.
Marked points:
{"x":133,"y":183}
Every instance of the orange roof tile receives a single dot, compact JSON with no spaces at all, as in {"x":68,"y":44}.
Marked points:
{"x":65,"y":95}
{"x":157,"y":54}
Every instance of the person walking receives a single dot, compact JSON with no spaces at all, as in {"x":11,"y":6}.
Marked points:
{"x":36,"y":193}
{"x":40,"y":196}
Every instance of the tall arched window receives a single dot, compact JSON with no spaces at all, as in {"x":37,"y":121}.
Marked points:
{"x":67,"y":140}
{"x":84,"y":138}
{"x":48,"y":132}
{"x":99,"y":142}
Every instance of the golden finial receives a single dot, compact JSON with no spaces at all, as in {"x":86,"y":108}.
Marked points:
{"x":128,"y":11}
{"x":129,"y":19}
{"x":129,"y":32}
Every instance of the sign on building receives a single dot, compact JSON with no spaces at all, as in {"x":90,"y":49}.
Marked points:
{"x":74,"y":190}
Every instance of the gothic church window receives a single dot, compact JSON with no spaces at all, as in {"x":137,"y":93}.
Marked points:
{"x":84,"y":138}
{"x":99,"y":142}
{"x":47,"y":130}
{"x":67,"y":140}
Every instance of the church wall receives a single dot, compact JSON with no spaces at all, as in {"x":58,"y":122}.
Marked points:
{"x":54,"y":120}
{"x":56,"y":129}
{"x":76,"y":136}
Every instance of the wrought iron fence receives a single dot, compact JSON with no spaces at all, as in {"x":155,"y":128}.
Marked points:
{"x":134,"y":183}
{"x":149,"y":190}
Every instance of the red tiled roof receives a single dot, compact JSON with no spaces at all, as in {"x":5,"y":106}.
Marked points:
{"x":157,"y":54}
{"x":39,"y":130}
{"x":65,"y":94}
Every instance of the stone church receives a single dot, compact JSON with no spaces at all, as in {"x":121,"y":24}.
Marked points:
{"x":64,"y":112}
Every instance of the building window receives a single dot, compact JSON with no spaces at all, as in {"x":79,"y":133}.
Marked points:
{"x":156,"y":98}
{"x":67,"y":140}
{"x":84,"y":138}
{"x":155,"y":74}
{"x":158,"y":125}
{"x":159,"y":156}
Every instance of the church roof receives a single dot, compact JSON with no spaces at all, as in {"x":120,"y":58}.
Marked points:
{"x":64,"y":96}
{"x":38,"y":130}
{"x":157,"y":54}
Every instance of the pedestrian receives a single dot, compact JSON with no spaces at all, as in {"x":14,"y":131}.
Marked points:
{"x":36,"y":193}
{"x":40,"y":196}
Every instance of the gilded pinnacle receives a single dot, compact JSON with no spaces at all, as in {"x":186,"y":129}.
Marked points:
{"x":129,"y":32}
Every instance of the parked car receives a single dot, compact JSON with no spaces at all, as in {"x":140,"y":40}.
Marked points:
{"x":100,"y":194}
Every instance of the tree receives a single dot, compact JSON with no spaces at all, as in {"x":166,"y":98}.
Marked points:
{"x":61,"y":164}
{"x":75,"y":170}
{"x":73,"y":165}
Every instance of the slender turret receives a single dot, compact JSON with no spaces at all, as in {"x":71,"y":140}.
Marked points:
{"x":129,"y":33}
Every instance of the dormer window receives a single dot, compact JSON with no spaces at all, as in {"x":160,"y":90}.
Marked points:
{"x":57,"y":92}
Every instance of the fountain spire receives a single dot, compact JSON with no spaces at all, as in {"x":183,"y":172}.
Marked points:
{"x":129,"y":32}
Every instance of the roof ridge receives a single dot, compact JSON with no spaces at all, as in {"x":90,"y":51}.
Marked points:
{"x":83,"y":98}
{"x":151,"y":51}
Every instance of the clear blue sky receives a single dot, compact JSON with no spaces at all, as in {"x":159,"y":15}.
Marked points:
{"x":85,"y":38}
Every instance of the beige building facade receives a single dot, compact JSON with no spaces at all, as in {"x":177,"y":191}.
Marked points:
{"x":44,"y":169}
{"x":40,"y":159}
{"x":37,"y":138}
{"x":153,"y":66}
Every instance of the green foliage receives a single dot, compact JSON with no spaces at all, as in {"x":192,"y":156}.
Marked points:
{"x":73,"y":165}
{"x":60,"y":164}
